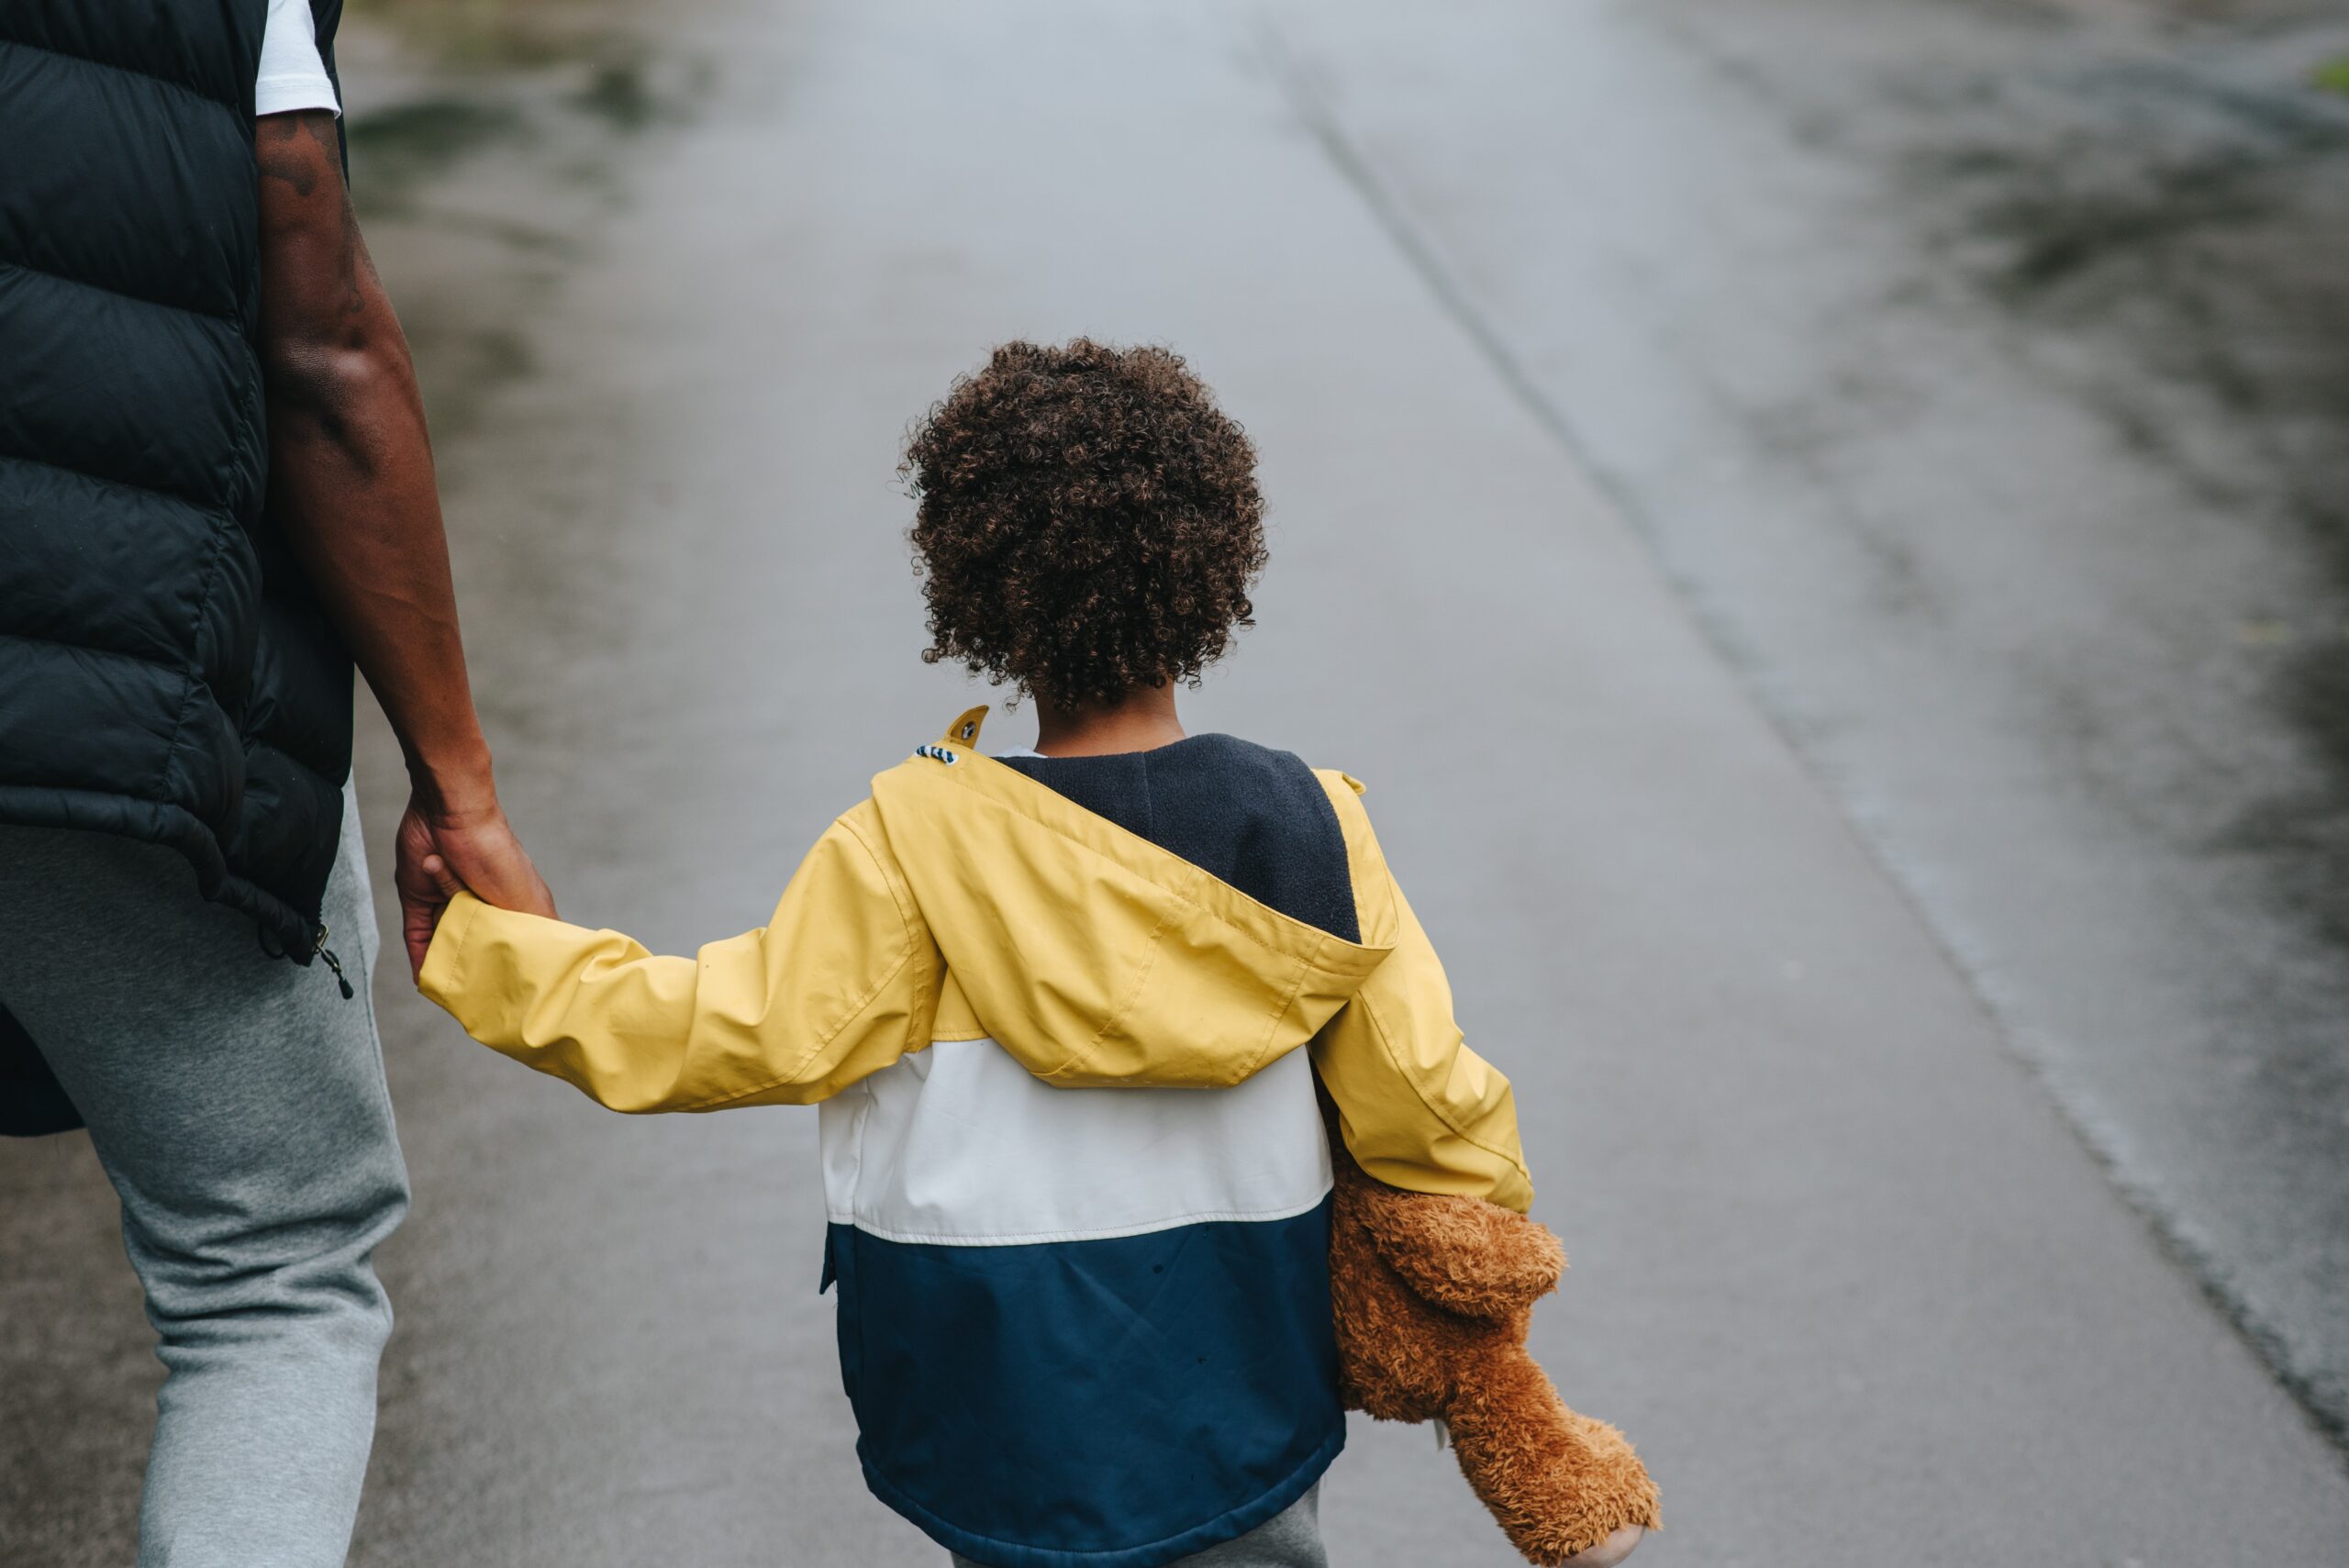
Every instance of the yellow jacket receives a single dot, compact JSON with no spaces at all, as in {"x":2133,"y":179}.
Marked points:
{"x":963,"y":900}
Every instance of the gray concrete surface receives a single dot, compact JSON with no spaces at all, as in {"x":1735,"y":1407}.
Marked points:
{"x":1976,"y":372}
{"x":1841,"y":1266}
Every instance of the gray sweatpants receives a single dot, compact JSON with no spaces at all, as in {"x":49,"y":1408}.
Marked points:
{"x":238,"y":1103}
{"x":1290,"y":1539}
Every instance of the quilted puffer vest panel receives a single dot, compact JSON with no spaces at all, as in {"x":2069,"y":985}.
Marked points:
{"x":165,"y":671}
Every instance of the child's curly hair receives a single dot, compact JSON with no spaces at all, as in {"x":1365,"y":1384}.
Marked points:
{"x":1088,"y":521}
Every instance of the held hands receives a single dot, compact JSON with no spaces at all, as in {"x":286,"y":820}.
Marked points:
{"x":438,"y":855}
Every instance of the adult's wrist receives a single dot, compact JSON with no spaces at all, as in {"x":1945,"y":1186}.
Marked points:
{"x":454,"y":790}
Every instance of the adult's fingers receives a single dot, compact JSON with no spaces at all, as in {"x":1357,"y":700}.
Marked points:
{"x":421,"y":893}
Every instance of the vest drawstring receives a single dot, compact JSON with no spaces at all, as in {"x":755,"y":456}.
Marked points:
{"x":341,"y":979}
{"x":318,"y":947}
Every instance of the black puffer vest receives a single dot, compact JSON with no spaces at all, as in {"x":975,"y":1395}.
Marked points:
{"x":165,"y":671}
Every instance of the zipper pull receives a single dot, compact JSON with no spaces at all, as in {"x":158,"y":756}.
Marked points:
{"x":334,"y":964}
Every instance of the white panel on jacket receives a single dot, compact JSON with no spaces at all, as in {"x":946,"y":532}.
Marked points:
{"x":960,"y":1145}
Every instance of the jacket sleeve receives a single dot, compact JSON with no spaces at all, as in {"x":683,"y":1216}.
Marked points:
{"x":1418,"y":1109}
{"x":838,"y":984}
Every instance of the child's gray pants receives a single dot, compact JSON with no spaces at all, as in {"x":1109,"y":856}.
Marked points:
{"x":236,"y":1102}
{"x":1290,"y":1539}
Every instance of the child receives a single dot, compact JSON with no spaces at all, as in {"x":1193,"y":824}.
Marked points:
{"x":1077,"y":1326}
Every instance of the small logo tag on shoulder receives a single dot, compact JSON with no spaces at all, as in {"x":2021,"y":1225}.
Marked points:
{"x":937,"y":753}
{"x":964,"y":731}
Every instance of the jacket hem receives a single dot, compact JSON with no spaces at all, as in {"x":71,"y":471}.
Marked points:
{"x":1226,"y":1526}
{"x":174,"y":827}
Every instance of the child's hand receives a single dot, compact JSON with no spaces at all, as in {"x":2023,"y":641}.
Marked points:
{"x":1612,"y":1550}
{"x":445,"y":880}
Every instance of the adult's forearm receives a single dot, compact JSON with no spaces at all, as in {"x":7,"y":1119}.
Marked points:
{"x":353,"y":467}
{"x":351,"y":470}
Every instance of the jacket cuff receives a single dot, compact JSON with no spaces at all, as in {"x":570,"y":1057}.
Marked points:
{"x":442,"y":975}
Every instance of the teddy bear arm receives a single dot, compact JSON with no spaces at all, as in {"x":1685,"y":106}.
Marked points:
{"x":1463,"y":1254}
{"x":1556,"y":1482}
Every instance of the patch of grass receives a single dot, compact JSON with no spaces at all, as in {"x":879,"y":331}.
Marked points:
{"x":2333,"y":76}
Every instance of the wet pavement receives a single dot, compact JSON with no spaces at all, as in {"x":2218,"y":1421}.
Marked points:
{"x":1977,"y":378}
{"x":1819,"y":522}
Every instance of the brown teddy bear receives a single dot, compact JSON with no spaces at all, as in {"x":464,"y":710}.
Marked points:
{"x":1433,"y":1295}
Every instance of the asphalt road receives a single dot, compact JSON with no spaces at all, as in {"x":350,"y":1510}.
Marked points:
{"x":1807,"y":674}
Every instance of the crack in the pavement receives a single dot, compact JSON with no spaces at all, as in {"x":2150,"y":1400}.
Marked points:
{"x":1314,"y":113}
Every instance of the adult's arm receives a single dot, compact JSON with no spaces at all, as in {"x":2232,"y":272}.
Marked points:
{"x":353,"y":466}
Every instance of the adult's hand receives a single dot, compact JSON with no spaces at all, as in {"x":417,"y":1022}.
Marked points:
{"x":434,"y":853}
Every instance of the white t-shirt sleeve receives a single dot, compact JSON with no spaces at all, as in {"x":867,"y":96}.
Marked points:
{"x":291,"y":76}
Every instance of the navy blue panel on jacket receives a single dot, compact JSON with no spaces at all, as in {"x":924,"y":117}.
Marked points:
{"x":1117,"y":1403}
{"x":1090,"y":1328}
{"x":1244,"y":814}
{"x":165,"y":670}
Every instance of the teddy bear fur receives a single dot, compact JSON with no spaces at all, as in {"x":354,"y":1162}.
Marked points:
{"x":1433,"y":1295}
